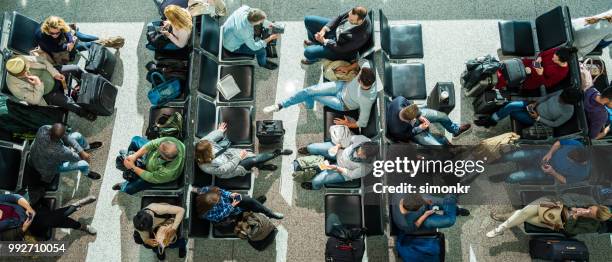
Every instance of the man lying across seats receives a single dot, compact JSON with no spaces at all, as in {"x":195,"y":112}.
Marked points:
{"x":407,"y":122}
{"x":552,"y":110}
{"x":54,"y":151}
{"x":163,"y":159}
{"x":595,"y":104}
{"x":238,"y":32}
{"x":337,"y":39}
{"x":33,"y":79}
{"x":567,"y":161}
{"x":353,"y":162}
{"x":360,"y":93}
{"x":417,"y":212}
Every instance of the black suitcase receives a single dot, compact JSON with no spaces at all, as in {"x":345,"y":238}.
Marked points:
{"x":489,"y":102}
{"x":97,"y":95}
{"x":100,"y":61}
{"x":513,"y":71}
{"x":270,"y":131}
{"x":261,"y":245}
{"x":446,"y":105}
{"x":487,"y":83}
{"x":337,"y":250}
{"x":558,"y":249}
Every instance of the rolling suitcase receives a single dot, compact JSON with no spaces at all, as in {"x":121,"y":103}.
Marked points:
{"x":97,"y":95}
{"x":437,"y":102}
{"x":513,"y":71}
{"x":270,"y":131}
{"x":483,"y":85}
{"x":558,"y":249}
{"x":489,"y":102}
{"x":100,"y":61}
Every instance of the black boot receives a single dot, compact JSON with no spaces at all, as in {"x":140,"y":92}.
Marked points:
{"x":485,"y":122}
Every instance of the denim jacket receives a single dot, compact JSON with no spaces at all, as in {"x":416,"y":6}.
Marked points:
{"x":237,"y":30}
{"x":11,"y":200}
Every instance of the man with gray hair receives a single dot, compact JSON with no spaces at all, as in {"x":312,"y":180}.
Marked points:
{"x":163,"y":160}
{"x":239,"y":31}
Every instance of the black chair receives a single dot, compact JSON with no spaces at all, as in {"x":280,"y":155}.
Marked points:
{"x":531,"y":229}
{"x":528,"y":196}
{"x":10,"y":160}
{"x":400,"y":41}
{"x":516,"y":38}
{"x":31,"y":177}
{"x":348,"y":208}
{"x":197,"y":227}
{"x":351,"y":184}
{"x":407,"y":80}
{"x":200,"y":179}
{"x":206,"y":117}
{"x":368,"y":48}
{"x":572,"y":127}
{"x":598,"y":51}
{"x":239,"y":121}
{"x":47,"y":203}
{"x":371,"y":130}
{"x":176,"y":200}
{"x":156,"y":112}
{"x":373,"y":214}
{"x":179,"y":54}
{"x":211,"y":42}
{"x":21,"y":37}
{"x":235,"y":183}
{"x":244,"y":75}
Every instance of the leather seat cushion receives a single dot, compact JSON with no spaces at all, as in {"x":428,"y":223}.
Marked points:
{"x":406,"y":41}
{"x":239,"y":124}
{"x":197,"y":227}
{"x":244,"y":76}
{"x":551,"y":29}
{"x":229,"y":56}
{"x":407,"y":80}
{"x":346,"y":207}
{"x":235,"y":183}
{"x":9,"y":168}
{"x":516,"y":38}
{"x":206,"y":121}
{"x":21,"y":37}
{"x":209,"y":74}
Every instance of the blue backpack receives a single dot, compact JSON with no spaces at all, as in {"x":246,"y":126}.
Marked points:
{"x":163,"y":91}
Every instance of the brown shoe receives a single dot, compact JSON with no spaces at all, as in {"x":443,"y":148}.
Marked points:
{"x":500,"y":217}
{"x":303,"y":151}
{"x":462,"y":129}
{"x":308,"y":42}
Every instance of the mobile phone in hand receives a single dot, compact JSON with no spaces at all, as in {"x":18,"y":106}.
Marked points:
{"x":537,"y":64}
{"x":238,"y":197}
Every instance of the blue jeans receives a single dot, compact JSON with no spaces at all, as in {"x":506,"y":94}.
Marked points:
{"x":434,"y":116}
{"x":260,"y":54}
{"x":529,"y":162}
{"x":316,"y":51}
{"x":168,"y":47}
{"x":84,"y":41}
{"x":426,"y":138}
{"x":449,"y":205}
{"x":326,"y":177}
{"x":80,"y":165}
{"x":321,"y":149}
{"x":327,"y":93}
{"x":133,"y":187}
{"x":517,"y":110}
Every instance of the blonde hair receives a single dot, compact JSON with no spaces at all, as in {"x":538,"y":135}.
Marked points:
{"x":54,"y":22}
{"x":178,"y":17}
{"x":603,"y":213}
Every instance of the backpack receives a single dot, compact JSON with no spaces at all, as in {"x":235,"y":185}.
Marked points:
{"x":345,"y":245}
{"x":253,"y":226}
{"x":167,"y":125}
{"x":306,"y":167}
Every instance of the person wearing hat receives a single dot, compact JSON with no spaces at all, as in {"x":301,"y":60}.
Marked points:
{"x":407,"y":122}
{"x":34,"y":80}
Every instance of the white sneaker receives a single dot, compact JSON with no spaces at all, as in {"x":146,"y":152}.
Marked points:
{"x":271,"y":109}
{"x":494,"y":233}
{"x":90,"y":230}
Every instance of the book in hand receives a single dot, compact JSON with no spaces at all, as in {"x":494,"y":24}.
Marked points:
{"x":228,"y":87}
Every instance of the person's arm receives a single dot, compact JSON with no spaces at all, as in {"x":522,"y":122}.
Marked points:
{"x":334,"y":23}
{"x":31,"y":93}
{"x":250,"y":42}
{"x":556,"y":175}
{"x":422,"y":218}
{"x":603,"y":133}
{"x":225,"y":168}
{"x":552,"y":150}
{"x":69,"y":40}
{"x":164,"y":209}
{"x":10,"y":198}
{"x":179,"y":37}
{"x":214,"y":136}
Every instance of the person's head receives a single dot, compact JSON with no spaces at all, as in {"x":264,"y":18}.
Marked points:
{"x":57,"y":131}
{"x":570,"y":96}
{"x":579,"y":155}
{"x":562,"y":55}
{"x":357,"y":15}
{"x":54,"y":26}
{"x":412,"y":202}
{"x":366,"y":79}
{"x":17,"y":66}
{"x":143,"y":221}
{"x":208,"y":200}
{"x":256,"y":16}
{"x":168,"y":150}
{"x":409,"y":113}
{"x":178,"y":17}
{"x":204,"y":152}
{"x":368,"y":151}
{"x":599,"y":212}
{"x":606,"y":96}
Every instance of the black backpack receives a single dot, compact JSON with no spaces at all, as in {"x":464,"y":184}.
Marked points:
{"x":345,"y":245}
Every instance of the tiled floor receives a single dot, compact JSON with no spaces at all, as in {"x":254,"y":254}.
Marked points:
{"x":453,"y":32}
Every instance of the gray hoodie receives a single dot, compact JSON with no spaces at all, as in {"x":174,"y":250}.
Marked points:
{"x":354,"y":97}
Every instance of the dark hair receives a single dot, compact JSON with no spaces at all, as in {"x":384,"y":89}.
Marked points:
{"x":367,"y":76}
{"x":360,"y":12}
{"x":143,"y":221}
{"x":370,"y":150}
{"x":579,"y":155}
{"x":564,"y":53}
{"x":413,"y":202}
{"x":570,"y":95}
{"x":206,"y":201}
{"x":57,"y":131}
{"x":607,"y":93}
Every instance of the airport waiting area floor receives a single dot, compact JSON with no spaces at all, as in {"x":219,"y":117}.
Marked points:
{"x":453,"y":32}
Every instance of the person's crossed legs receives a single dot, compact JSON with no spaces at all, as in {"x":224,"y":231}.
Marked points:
{"x":327,"y":93}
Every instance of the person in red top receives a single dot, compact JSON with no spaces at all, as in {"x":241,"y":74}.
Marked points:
{"x":553,"y":70}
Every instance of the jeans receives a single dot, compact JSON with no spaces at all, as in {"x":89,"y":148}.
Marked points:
{"x":260,"y":54}
{"x":80,"y":165}
{"x":249,"y":204}
{"x":326,"y":177}
{"x":449,"y":205}
{"x":518,"y":111}
{"x":85,"y":40}
{"x":168,"y":47}
{"x":321,"y":149}
{"x":257,"y":161}
{"x":530,"y":170}
{"x":428,"y":139}
{"x":133,"y":187}
{"x":333,"y":222}
{"x":328,"y":94}
{"x":317,"y":51}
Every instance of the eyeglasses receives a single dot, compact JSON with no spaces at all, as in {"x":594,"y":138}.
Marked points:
{"x":56,"y":33}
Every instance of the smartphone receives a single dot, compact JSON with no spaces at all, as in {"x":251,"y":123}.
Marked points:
{"x":537,"y":64}
{"x":437,"y":210}
{"x":238,"y":197}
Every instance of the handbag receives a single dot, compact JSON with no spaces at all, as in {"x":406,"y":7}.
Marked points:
{"x":592,"y":71}
{"x":165,"y":91}
{"x":550,"y":214}
{"x":586,"y":79}
{"x":165,"y":235}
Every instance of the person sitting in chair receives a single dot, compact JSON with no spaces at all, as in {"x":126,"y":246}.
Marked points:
{"x":408,"y":122}
{"x":57,"y":40}
{"x":34,"y":80}
{"x":416,"y":212}
{"x":595,"y":104}
{"x":150,"y":218}
{"x":164,"y":159}
{"x":216,"y":204}
{"x":552,"y":110}
{"x":176,"y":28}
{"x":336,"y":39}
